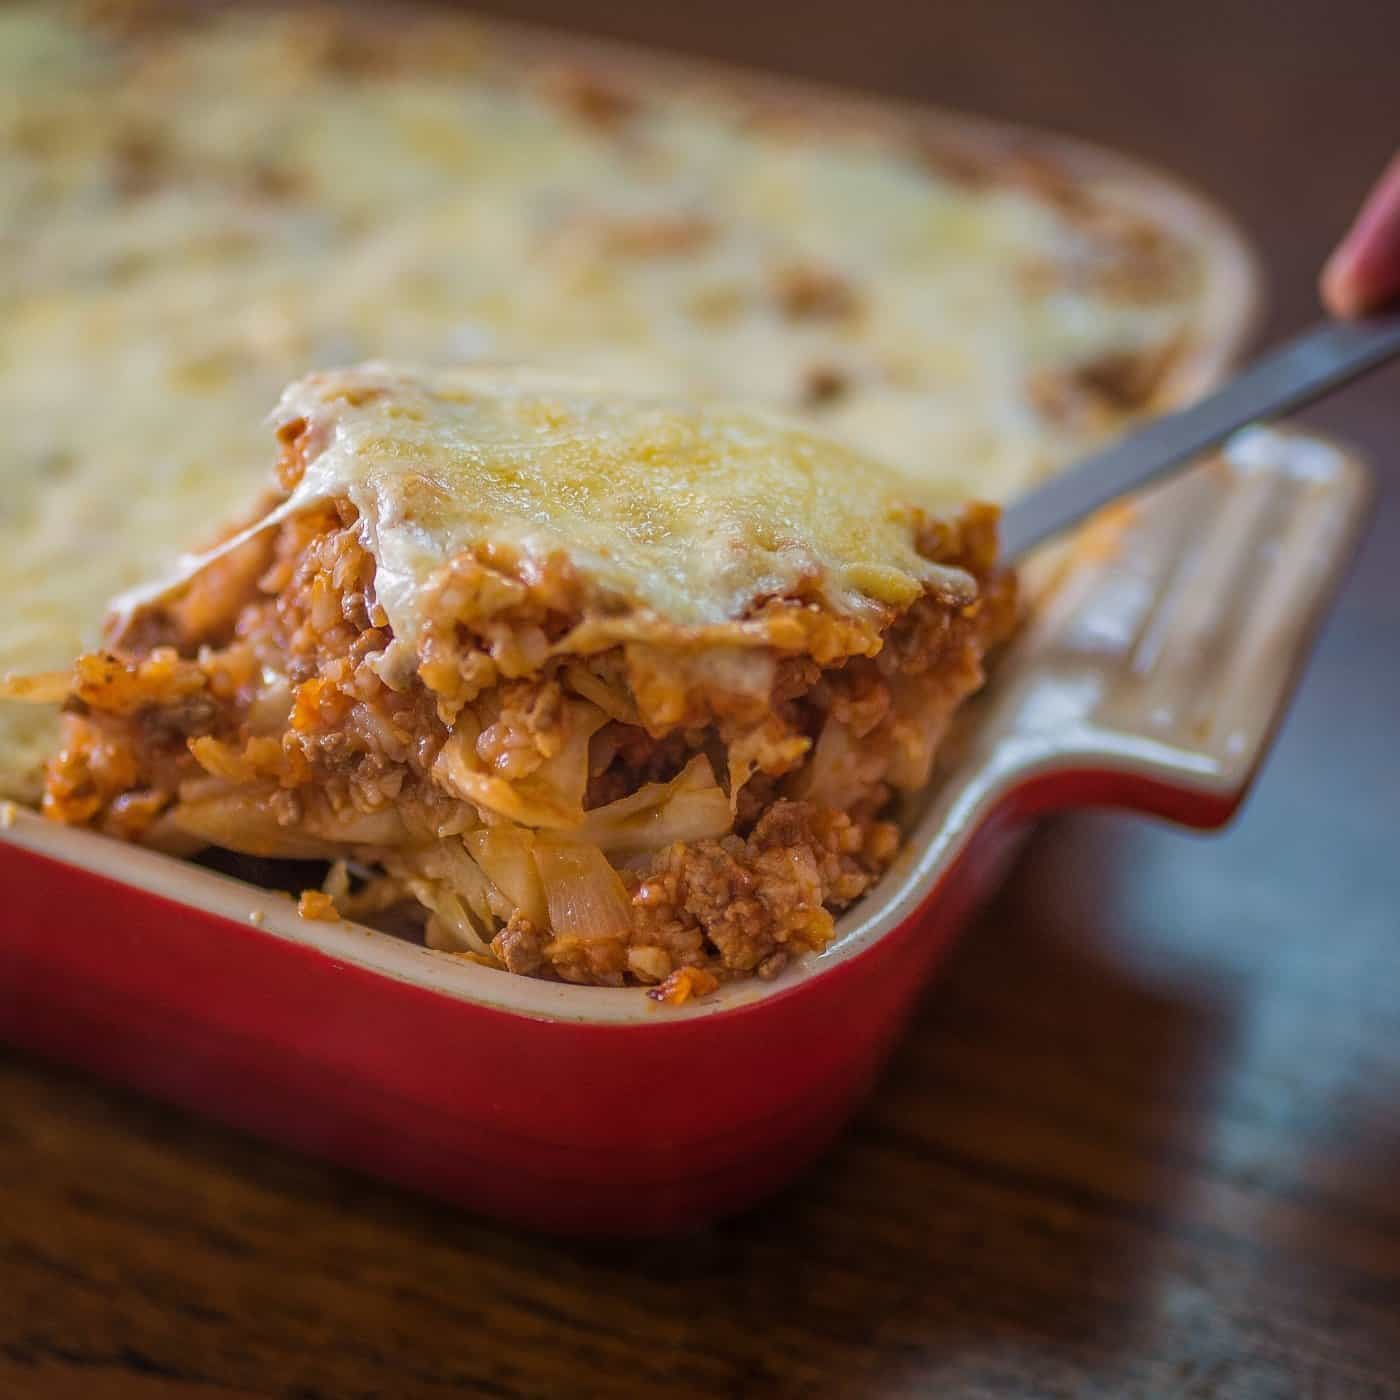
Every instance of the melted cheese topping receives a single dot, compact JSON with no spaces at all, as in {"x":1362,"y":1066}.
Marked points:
{"x":693,"y":514}
{"x":190,"y":220}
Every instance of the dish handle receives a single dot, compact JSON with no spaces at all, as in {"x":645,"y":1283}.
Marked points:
{"x":1157,"y":671}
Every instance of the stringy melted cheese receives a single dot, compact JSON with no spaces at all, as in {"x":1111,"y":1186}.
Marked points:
{"x":191,"y":220}
{"x":692,"y":514}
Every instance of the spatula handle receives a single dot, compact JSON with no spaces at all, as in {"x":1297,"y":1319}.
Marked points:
{"x":1297,"y":372}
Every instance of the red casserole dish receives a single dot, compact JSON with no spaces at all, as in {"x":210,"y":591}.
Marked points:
{"x":1150,"y":679}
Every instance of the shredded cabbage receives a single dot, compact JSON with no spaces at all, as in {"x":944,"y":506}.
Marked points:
{"x":614,"y":702}
{"x":922,"y":717}
{"x":691,"y":807}
{"x":451,"y":926}
{"x":585,"y":895}
{"x":241,"y":824}
{"x":551,"y":797}
{"x":840,"y":770}
{"x":447,"y":881}
{"x":507,"y":855}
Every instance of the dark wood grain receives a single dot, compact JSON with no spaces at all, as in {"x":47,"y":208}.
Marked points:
{"x":1144,"y":1137}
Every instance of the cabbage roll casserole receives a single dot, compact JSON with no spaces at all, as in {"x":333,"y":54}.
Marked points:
{"x":601,"y":687}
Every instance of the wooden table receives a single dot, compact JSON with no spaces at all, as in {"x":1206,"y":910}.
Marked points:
{"x":1144,"y":1137}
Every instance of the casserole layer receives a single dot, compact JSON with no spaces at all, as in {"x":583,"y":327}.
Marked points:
{"x":590,"y":686}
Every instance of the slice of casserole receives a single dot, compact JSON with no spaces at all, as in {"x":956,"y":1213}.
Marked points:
{"x":605,"y":688}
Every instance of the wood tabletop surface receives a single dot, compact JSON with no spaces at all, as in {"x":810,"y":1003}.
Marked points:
{"x":1143,"y":1137}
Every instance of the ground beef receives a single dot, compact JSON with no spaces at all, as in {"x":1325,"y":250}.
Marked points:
{"x":756,"y":901}
{"x":520,"y":945}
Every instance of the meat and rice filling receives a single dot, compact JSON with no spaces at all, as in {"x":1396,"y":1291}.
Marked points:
{"x":554,"y":752}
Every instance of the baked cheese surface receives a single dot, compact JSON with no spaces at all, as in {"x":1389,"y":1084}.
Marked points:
{"x":193,"y":217}
{"x":693,"y":514}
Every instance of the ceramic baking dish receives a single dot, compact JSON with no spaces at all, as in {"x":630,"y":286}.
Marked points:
{"x":1150,"y":678}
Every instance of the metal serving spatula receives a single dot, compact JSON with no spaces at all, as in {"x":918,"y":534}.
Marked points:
{"x":1297,"y":372}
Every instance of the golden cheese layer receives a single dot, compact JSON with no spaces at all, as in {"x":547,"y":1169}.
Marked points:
{"x":689,"y":515}
{"x":191,"y":218}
